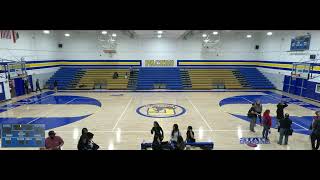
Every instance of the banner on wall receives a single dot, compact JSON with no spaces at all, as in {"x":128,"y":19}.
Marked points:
{"x":159,"y":63}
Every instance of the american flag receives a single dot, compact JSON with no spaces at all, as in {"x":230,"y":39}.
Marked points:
{"x":5,"y":34}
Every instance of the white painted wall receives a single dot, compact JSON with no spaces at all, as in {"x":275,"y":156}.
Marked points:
{"x":33,"y":45}
{"x":277,"y":47}
{"x":84,"y":46}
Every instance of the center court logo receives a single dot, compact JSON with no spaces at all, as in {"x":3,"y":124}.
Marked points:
{"x":161,"y":110}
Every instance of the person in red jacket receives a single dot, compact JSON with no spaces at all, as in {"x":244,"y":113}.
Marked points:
{"x":266,"y":124}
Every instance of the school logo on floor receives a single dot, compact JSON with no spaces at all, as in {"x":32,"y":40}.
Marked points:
{"x":254,"y":140}
{"x":161,"y":110}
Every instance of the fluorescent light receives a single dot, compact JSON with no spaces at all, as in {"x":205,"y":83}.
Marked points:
{"x":269,"y":33}
{"x":206,"y":40}
{"x":46,"y":31}
{"x":204,"y":35}
{"x":114,"y":35}
{"x":215,"y":33}
{"x":104,"y":32}
{"x":159,"y":36}
{"x":249,"y":36}
{"x":66,"y":35}
{"x":160,"y":32}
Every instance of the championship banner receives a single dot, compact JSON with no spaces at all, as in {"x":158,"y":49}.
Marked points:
{"x":159,"y":63}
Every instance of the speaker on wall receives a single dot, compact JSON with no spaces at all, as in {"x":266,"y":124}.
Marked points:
{"x":60,"y":45}
{"x":257,"y":47}
{"x":312,"y":56}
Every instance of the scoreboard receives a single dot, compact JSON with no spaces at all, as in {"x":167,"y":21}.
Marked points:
{"x":300,"y":43}
{"x":22,"y":135}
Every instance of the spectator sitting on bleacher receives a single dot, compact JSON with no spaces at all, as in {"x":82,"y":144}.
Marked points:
{"x":115,"y":75}
{"x":190,"y":135}
{"x":126,"y":76}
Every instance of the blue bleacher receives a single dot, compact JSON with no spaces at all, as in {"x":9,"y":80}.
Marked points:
{"x":255,"y":78}
{"x":147,"y":77}
{"x":63,"y":76}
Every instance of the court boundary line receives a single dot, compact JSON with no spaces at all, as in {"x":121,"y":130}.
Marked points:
{"x":122,"y":114}
{"x":247,"y":100}
{"x":49,"y":112}
{"x":196,"y":109}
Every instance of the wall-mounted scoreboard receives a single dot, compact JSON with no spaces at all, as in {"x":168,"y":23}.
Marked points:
{"x":22,"y":135}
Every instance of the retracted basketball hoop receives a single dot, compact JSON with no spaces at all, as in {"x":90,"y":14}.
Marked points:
{"x":111,"y":52}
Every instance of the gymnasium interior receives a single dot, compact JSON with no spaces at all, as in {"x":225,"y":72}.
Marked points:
{"x":117,"y":83}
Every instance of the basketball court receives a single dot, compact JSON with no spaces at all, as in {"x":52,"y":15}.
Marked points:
{"x":118,"y":125}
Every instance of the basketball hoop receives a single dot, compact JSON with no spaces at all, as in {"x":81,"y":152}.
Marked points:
{"x":111,"y":52}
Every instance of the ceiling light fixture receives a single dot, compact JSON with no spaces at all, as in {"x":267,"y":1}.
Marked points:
{"x":104,"y":32}
{"x":66,"y":35}
{"x":204,"y":35}
{"x":249,"y":36}
{"x":46,"y":31}
{"x":114,"y":35}
{"x":269,"y":33}
{"x":159,"y":32}
{"x":159,"y":36}
{"x":215,"y":33}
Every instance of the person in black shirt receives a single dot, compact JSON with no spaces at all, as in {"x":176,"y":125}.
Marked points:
{"x":83,"y":139}
{"x":181,"y":145}
{"x":115,"y":75}
{"x":190,"y":135}
{"x":285,"y":126}
{"x":26,"y":86}
{"x":280,"y":113}
{"x":38,"y":86}
{"x":55,"y":86}
{"x":252,"y":114}
{"x":158,"y":133}
{"x":315,"y":132}
{"x":89,"y":144}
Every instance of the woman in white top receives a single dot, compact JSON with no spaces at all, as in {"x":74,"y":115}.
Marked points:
{"x":175,"y":133}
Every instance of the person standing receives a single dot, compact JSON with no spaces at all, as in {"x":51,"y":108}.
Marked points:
{"x":26,"y":86}
{"x":53,"y":142}
{"x":131,"y":71}
{"x":158,"y":133}
{"x":280,"y":113}
{"x":252,"y":114}
{"x":315,"y":132}
{"x":55,"y":86}
{"x":83,"y":139}
{"x":258,"y":107}
{"x":267,"y":122}
{"x":38,"y":86}
{"x":284,"y":127}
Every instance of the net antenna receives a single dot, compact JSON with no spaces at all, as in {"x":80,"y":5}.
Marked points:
{"x":107,"y":43}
